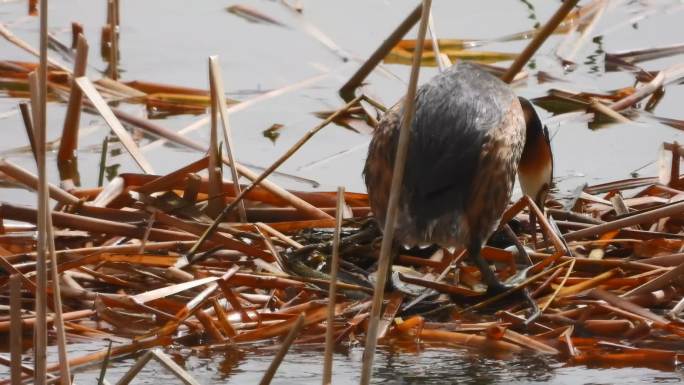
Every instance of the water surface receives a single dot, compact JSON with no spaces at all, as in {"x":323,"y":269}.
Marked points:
{"x":169,"y":41}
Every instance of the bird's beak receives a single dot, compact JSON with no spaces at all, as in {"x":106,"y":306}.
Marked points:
{"x":540,"y":198}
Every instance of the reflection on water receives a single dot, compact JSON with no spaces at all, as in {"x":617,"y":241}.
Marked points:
{"x":302,"y":365}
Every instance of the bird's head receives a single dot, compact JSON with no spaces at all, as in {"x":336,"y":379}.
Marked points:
{"x":535,"y":170}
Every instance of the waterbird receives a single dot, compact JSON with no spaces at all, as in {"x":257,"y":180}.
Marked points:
{"x":469,"y":136}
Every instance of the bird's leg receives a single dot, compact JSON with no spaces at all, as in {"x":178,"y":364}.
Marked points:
{"x":522,"y":253}
{"x":526,"y":293}
{"x":494,"y":286}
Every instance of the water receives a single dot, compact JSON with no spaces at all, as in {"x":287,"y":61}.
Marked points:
{"x":414,"y":365}
{"x":169,"y":42}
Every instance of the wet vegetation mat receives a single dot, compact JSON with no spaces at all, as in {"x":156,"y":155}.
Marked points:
{"x":215,"y":256}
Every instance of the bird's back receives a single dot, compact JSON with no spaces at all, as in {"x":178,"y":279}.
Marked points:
{"x":466,"y":139}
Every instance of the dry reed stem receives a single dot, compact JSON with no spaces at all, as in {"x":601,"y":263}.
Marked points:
{"x":164,"y":361}
{"x":626,"y":305}
{"x":114,"y":43}
{"x":464,"y":339}
{"x":29,"y":323}
{"x":521,"y":286}
{"x":28,"y":125}
{"x":113,"y":123}
{"x":279,"y":235}
{"x":559,"y":288}
{"x":586,"y":32}
{"x":135,"y":369}
{"x":9,"y":36}
{"x":38,"y":87}
{"x":94,"y":225}
{"x":308,"y":135}
{"x":215,"y":202}
{"x":69,"y":141}
{"x":599,"y":107}
{"x":29,"y":180}
{"x":219,"y":102}
{"x":657,"y":283}
{"x":15,"y":341}
{"x":539,"y":39}
{"x":640,"y":93}
{"x":633,"y":220}
{"x":284,"y":347}
{"x":174,"y":178}
{"x":276,"y":190}
{"x":439,"y":57}
{"x":65,"y":371}
{"x":172,"y":366}
{"x":397,"y":179}
{"x":382,"y":51}
{"x":332,"y":290}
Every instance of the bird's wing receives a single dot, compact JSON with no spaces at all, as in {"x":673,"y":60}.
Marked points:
{"x":455,"y":116}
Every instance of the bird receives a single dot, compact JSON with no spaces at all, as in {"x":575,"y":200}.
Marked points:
{"x":469,"y":136}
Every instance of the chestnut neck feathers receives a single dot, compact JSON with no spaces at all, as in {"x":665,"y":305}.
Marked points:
{"x":535,"y":170}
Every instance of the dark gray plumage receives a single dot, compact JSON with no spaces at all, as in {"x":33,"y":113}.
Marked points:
{"x":467,"y":137}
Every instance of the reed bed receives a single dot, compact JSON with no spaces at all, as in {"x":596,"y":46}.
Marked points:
{"x":192,"y":259}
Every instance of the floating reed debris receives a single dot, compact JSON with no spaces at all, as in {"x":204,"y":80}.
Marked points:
{"x":145,"y":262}
{"x":221,"y":292}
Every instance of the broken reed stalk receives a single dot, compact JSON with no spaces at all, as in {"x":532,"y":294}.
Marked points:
{"x":69,"y":141}
{"x":113,"y":43}
{"x":273,"y":188}
{"x":633,"y":220}
{"x":397,"y":179}
{"x":439,"y":57}
{"x":16,"y":332}
{"x":640,"y":93}
{"x":40,"y":119}
{"x":12,"y":38}
{"x":172,"y":366}
{"x":332,"y":290}
{"x":219,"y":101}
{"x":215,"y":200}
{"x":28,"y":124}
{"x":224,"y":213}
{"x":382,"y":51}
{"x":539,"y":39}
{"x":601,"y":108}
{"x":559,"y":288}
{"x":135,"y":368}
{"x":30,"y":180}
{"x":103,"y":109}
{"x":105,"y":364}
{"x":270,"y":372}
{"x":76,"y":31}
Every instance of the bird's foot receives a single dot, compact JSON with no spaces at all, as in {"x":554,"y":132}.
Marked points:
{"x":517,"y":295}
{"x":494,"y":289}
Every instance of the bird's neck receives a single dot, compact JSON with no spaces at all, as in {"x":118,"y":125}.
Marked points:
{"x":535,"y":169}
